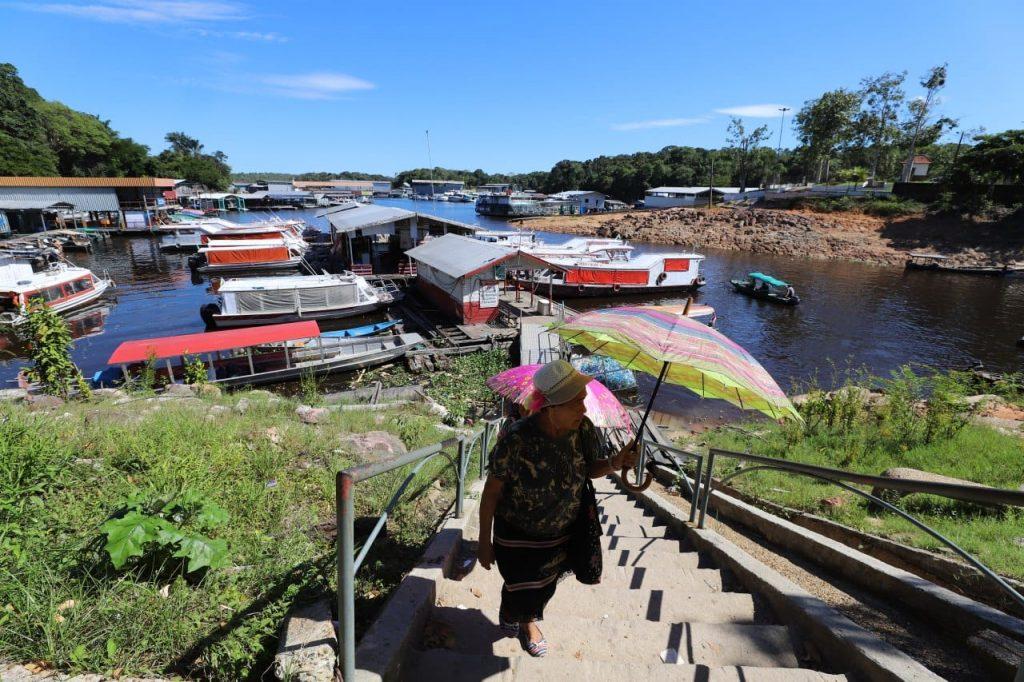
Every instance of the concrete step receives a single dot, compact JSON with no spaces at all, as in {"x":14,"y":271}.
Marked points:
{"x":660,"y":559}
{"x":441,"y":664}
{"x":665,"y":577}
{"x":635,"y":530}
{"x":597,"y":601}
{"x":642,"y":642}
{"x":660,"y":545}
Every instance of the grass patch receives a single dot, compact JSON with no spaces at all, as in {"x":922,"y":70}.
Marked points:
{"x":256,"y":481}
{"x":919,"y":424}
{"x":888,"y":206}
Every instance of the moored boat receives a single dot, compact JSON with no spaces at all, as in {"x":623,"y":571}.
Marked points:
{"x":365,"y":330}
{"x":246,"y":255}
{"x":936,"y":263}
{"x":256,"y":355}
{"x":61,"y":286}
{"x":248,"y":301}
{"x":193,"y":234}
{"x":766,"y":288}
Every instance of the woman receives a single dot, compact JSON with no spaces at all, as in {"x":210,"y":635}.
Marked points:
{"x":540,"y":502}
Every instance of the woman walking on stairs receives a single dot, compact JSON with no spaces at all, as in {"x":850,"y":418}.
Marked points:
{"x":538,"y":514}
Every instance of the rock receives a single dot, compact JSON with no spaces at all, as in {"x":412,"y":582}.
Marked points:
{"x":108,"y":393}
{"x":1010,"y":427}
{"x":242,"y":406}
{"x":261,"y":393}
{"x":208,"y":391}
{"x":14,"y":394}
{"x":983,"y":399}
{"x":218,"y":409}
{"x":180,"y":390}
{"x":273,"y":435}
{"x":306,"y":652}
{"x":908,"y":474}
{"x":311,"y":415}
{"x":373,"y":443}
{"x":44,"y":402}
{"x":833,"y":502}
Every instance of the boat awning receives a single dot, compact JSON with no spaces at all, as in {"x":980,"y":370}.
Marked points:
{"x":768,"y":279}
{"x":161,"y":347}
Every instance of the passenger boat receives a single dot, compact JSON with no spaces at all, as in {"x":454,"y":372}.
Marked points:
{"x":936,"y":263}
{"x":607,"y":267}
{"x":765,"y":287}
{"x":62,"y":286}
{"x":248,"y":301}
{"x":258,"y":355}
{"x":246,"y":255}
{"x":511,"y":238}
{"x":193,"y":234}
{"x":515,"y":204}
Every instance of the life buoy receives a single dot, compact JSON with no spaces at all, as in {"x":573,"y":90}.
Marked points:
{"x":580,"y":289}
{"x":616,"y":288}
{"x":661,"y":278}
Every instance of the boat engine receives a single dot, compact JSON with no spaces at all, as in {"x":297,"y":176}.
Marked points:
{"x":195,"y":261}
{"x":207,"y":312}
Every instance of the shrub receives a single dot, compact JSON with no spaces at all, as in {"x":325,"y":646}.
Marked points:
{"x":195,"y":370}
{"x":49,"y":341}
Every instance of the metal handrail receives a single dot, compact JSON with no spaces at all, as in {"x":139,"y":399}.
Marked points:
{"x":347,"y":562}
{"x":839,"y":478}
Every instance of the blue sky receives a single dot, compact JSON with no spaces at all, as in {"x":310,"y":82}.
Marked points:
{"x":515,"y":86}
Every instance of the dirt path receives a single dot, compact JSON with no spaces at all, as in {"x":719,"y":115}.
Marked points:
{"x":842,"y":236}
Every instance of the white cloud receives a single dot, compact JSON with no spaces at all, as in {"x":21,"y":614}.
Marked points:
{"x":660,"y":123}
{"x":255,"y":36}
{"x":754,"y":110}
{"x":142,"y":11}
{"x":322,"y":85}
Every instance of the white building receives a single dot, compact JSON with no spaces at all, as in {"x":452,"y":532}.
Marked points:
{"x":584,"y":200}
{"x":670,"y":197}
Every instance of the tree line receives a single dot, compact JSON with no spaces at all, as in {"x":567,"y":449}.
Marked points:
{"x":43,"y":137}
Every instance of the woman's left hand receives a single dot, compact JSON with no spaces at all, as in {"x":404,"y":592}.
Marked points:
{"x":627,"y":456}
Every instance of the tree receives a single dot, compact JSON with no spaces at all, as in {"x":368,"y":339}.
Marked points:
{"x":185,"y":159}
{"x":878,"y":122}
{"x":744,"y":143}
{"x":183,"y":144}
{"x":997,"y":158}
{"x":920,"y":110}
{"x":23,"y":145}
{"x":825,"y":125}
{"x":80,"y":141}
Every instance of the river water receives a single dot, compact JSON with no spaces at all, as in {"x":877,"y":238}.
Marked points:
{"x":850,"y":315}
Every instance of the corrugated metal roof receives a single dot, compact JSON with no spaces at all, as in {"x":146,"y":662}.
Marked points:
{"x":458,"y":256}
{"x":694,"y":190}
{"x":46,"y":181}
{"x":352,"y":217}
{"x":460,"y":183}
{"x":15,"y":205}
{"x":336,"y":184}
{"x":572,"y":193}
{"x":82,"y":198}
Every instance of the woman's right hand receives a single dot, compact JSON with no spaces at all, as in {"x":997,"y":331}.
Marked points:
{"x":485,"y":554}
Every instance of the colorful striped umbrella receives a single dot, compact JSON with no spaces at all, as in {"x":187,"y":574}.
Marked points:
{"x":681,"y":351}
{"x":516,"y":384}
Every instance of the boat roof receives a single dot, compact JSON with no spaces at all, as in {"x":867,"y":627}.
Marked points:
{"x":38,"y":280}
{"x":284,"y":282}
{"x":768,"y":279}
{"x":208,"y":342}
{"x":243,"y":243}
{"x":643,"y":261}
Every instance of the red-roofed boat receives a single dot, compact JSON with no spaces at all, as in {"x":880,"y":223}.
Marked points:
{"x":254,"y":355}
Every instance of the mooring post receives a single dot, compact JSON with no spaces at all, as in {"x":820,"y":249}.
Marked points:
{"x":345,"y":516}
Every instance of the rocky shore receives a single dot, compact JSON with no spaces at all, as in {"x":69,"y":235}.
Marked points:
{"x":802,"y":234}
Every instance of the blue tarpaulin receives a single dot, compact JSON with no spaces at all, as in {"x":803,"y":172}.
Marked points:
{"x":768,"y":279}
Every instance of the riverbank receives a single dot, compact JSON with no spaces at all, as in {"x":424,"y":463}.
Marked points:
{"x":147,"y":534}
{"x":802,"y":233}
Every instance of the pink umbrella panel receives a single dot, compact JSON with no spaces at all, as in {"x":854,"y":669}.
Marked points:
{"x":516,"y":384}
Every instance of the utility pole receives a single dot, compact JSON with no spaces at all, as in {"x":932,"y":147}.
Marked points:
{"x":778,"y":150}
{"x":711,"y":183}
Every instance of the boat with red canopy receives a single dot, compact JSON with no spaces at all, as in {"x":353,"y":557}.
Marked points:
{"x":253,"y":355}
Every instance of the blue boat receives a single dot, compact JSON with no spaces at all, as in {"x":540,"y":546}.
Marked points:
{"x":366,"y":330}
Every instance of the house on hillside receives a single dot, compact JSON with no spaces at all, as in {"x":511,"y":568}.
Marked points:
{"x":584,"y":201}
{"x":919,"y":166}
{"x":670,"y":197}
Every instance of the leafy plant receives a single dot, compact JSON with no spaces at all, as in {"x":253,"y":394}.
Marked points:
{"x":49,"y":340}
{"x":167,"y":527}
{"x":310,"y":385}
{"x":195,"y":370}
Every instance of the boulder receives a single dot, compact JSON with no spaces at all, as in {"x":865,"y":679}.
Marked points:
{"x":1010,"y":427}
{"x":261,"y":393}
{"x":983,"y":400}
{"x":45,"y":402}
{"x":208,"y":390}
{"x":179,"y":390}
{"x":908,"y":474}
{"x":242,"y":406}
{"x":311,"y":415}
{"x":373,"y":443}
{"x":14,"y":394}
{"x":108,"y":393}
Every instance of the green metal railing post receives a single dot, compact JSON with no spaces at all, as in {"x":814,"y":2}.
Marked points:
{"x":460,"y":478}
{"x":708,"y":484}
{"x":485,"y":443}
{"x":345,"y":508}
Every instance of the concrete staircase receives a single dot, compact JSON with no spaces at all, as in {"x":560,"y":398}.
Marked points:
{"x":658,"y":614}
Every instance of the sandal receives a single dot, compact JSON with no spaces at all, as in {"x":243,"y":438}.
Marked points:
{"x":535,"y":649}
{"x":510,"y":629}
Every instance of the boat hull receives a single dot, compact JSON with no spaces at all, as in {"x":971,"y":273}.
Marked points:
{"x":563,"y":291}
{"x":761,"y":296}
{"x":980,"y":271}
{"x":223,"y":321}
{"x":249,"y":267}
{"x":100,"y":287}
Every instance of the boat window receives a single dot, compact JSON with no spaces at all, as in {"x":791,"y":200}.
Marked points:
{"x":51,"y":294}
{"x":84,"y":284}
{"x":8,"y":304}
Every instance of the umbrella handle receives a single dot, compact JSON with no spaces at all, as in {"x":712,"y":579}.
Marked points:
{"x":642,"y":486}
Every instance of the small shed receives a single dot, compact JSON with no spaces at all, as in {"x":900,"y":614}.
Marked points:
{"x":583,"y":200}
{"x":463,"y":276}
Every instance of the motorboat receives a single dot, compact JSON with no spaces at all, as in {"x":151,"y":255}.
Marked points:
{"x":247,"y":301}
{"x":192,"y":235}
{"x":934,"y":262}
{"x":62,"y":286}
{"x":766,"y":288}
{"x":254,"y":355}
{"x":246,"y":255}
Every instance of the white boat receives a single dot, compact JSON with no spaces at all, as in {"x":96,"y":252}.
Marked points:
{"x":584,"y":267}
{"x":245,"y":302}
{"x":247,"y":255}
{"x":512,"y":239}
{"x":62,"y":286}
{"x":192,"y":235}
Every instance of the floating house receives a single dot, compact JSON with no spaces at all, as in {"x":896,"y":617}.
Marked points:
{"x":584,"y":201}
{"x":670,"y":197}
{"x":463,"y":276}
{"x":431,"y":187}
{"x":375,"y":236}
{"x":345,"y":188}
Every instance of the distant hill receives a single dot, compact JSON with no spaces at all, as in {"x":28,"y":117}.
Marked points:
{"x":343,"y":175}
